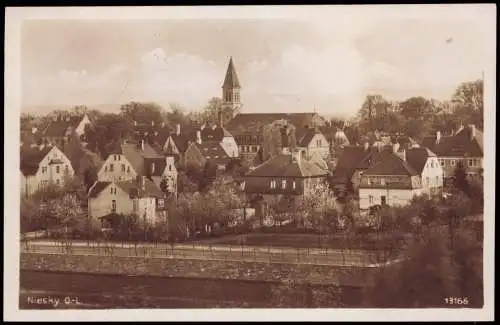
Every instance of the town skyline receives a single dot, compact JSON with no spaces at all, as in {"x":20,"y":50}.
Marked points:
{"x":284,"y":65}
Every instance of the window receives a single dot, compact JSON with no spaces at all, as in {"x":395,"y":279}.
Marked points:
{"x":273,"y":183}
{"x":44,"y":170}
{"x":283,"y":183}
{"x":134,"y":205}
{"x":383,"y":200}
{"x":66,"y":169}
{"x":437,"y":180}
{"x":113,"y":190}
{"x":128,"y":169}
{"x":368,"y":181}
{"x":113,"y":206}
{"x":111,"y":167}
{"x":161,"y":203}
{"x":470,"y":162}
{"x":370,"y":199}
{"x":169,"y":168}
{"x":293,"y":184}
{"x":452,"y":162}
{"x":105,"y":168}
{"x":58,"y":169}
{"x":152,"y":168}
{"x":382,"y":181}
{"x":432,"y":164}
{"x":123,"y":167}
{"x":58,"y":181}
{"x":441,"y":162}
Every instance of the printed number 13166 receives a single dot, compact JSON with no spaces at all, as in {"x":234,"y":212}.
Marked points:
{"x":456,"y":300}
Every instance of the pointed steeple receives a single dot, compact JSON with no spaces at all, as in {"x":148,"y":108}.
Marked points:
{"x":231,"y":80}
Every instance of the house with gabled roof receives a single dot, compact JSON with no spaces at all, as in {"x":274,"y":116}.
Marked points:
{"x":130,"y":160}
{"x":139,"y":196}
{"x":287,"y":177}
{"x":313,"y":142}
{"x":396,"y":175}
{"x":43,"y":165}
{"x":465,"y":146}
{"x":199,"y":152}
{"x":60,"y":128}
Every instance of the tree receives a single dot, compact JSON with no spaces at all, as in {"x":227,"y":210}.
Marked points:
{"x":372,"y":106}
{"x":143,"y":113}
{"x":107,"y":130}
{"x":318,"y":206}
{"x":209,"y":175}
{"x":89,"y":177}
{"x":470,"y":94}
{"x":175,"y":115}
{"x":416,"y":108}
{"x":277,"y":135}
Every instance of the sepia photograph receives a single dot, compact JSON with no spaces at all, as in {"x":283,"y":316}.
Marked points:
{"x":243,"y":158}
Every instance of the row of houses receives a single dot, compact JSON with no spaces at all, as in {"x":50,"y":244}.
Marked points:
{"x":141,"y":173}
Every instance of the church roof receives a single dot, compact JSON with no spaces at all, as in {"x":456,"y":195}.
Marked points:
{"x":231,"y":80}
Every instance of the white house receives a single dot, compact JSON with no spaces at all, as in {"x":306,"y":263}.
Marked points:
{"x":396,"y":176}
{"x":43,"y":165}
{"x":140,"y":197}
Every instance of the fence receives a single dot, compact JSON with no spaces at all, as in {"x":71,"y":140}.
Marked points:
{"x":334,"y":257}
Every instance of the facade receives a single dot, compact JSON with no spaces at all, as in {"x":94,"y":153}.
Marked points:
{"x":140,"y":197}
{"x":284,"y":178}
{"x":427,"y":165}
{"x":465,"y":146}
{"x":313,"y":142}
{"x":390,"y":180}
{"x":41,"y":166}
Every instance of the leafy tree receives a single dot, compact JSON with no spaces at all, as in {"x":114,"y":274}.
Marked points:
{"x":108,"y":130}
{"x":175,"y":115}
{"x":416,"y":108}
{"x":89,"y":177}
{"x":142,"y":113}
{"x":277,"y":135}
{"x":209,"y":175}
{"x":470,"y":96}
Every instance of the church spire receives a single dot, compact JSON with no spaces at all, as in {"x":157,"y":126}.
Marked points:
{"x":231,"y":80}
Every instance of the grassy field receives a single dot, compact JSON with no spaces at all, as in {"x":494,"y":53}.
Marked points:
{"x":365,"y":241}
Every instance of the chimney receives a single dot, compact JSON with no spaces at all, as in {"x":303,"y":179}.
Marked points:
{"x":33,"y":130}
{"x":395,"y":147}
{"x":285,"y":150}
{"x":156,"y":133}
{"x":135,"y":123}
{"x":40,"y":147}
{"x":472,"y":131}
{"x":178,"y":129}
{"x":162,"y":124}
{"x":198,"y":137}
{"x":438,"y":136}
{"x":152,"y":123}
{"x":366,"y":146}
{"x":142,"y":145}
{"x":152,"y":168}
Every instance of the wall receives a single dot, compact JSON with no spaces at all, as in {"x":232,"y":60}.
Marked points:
{"x":230,"y":147}
{"x":449,"y":164}
{"x":323,"y":150}
{"x":101,"y":205}
{"x":105,"y":174}
{"x":432,"y":175}
{"x":197,"y":268}
{"x":262,"y":185}
{"x":393,"y":197}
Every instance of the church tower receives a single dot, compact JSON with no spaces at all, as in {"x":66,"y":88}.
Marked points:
{"x":231,"y":104}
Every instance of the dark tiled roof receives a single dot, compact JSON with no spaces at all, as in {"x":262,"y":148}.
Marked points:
{"x":58,"y":128}
{"x":391,"y":164}
{"x":217,"y":133}
{"x":28,"y":137}
{"x":130,"y":187}
{"x":284,"y":166}
{"x":159,"y":166}
{"x":182,"y":141}
{"x":231,"y":79}
{"x":352,"y":158}
{"x":417,"y":157}
{"x":97,"y":188}
{"x":307,"y":136}
{"x":31,"y":158}
{"x":459,"y":145}
{"x":213,"y":151}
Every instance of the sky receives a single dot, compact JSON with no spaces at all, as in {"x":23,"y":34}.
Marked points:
{"x":327,"y":62}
